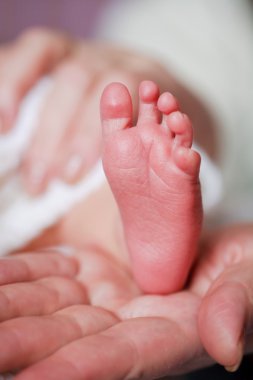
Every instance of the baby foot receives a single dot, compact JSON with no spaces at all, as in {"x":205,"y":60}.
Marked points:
{"x":154,"y":176}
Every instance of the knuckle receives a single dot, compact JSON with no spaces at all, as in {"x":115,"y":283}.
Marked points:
{"x":118,"y":74}
{"x":72,"y":70}
{"x":34,"y":33}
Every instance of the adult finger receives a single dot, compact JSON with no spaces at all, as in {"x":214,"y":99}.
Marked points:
{"x":81,"y":147}
{"x":223,"y":278}
{"x":32,"y":266}
{"x":225,"y":317}
{"x":57,"y":116}
{"x":147,"y":348}
{"x":40,"y":297}
{"x":29,"y":339}
{"x":23,"y":62}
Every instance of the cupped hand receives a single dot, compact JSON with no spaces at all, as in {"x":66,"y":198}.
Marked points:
{"x":67,"y":140}
{"x":112,"y":331}
{"x":95,"y":324}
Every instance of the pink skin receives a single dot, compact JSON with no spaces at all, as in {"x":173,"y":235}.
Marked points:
{"x":154,"y":176}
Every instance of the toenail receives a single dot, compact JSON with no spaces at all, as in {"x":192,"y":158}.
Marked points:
{"x":181,"y":151}
{"x":177,"y":115}
{"x":73,"y":166}
{"x":149,"y":91}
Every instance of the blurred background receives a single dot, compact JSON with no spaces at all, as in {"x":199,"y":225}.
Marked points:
{"x":78,"y":17}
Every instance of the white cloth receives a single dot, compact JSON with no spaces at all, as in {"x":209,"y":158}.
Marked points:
{"x":23,"y":217}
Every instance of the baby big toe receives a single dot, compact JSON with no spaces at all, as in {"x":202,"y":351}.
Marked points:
{"x":115,"y":108}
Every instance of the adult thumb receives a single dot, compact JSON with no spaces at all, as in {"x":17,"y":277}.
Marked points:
{"x":225,"y":316}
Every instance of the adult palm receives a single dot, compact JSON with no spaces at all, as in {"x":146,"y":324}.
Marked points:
{"x":84,"y":317}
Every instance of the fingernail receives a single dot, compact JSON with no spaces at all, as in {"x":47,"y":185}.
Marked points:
{"x":234,"y":368}
{"x":35,"y":176}
{"x":7,"y":376}
{"x":177,"y":115}
{"x":73,"y":167}
{"x":6,"y":123}
{"x":65,"y":250}
{"x":1,"y":129}
{"x":8,"y":113}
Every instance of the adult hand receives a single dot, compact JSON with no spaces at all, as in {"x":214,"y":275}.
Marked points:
{"x":67,"y":141}
{"x":123,"y":334}
{"x":223,"y":280}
